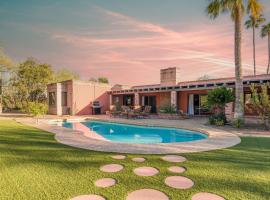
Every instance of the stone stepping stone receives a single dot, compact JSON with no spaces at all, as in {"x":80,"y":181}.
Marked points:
{"x":119,"y":157}
{"x":138,"y":159}
{"x":174,"y":158}
{"x":206,"y":196}
{"x":145,"y":171}
{"x":176,"y":169}
{"x":147,"y":194}
{"x":105,"y":182}
{"x":89,"y":197}
{"x":179,"y":182}
{"x":111,"y":168}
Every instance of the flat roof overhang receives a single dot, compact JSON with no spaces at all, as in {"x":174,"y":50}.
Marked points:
{"x":188,"y":86}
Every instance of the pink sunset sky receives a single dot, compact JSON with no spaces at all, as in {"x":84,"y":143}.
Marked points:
{"x":128,"y":47}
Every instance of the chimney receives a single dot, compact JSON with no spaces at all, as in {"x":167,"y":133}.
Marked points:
{"x":170,"y":76}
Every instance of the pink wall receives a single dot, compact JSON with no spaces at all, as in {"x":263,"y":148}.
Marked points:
{"x":85,"y":93}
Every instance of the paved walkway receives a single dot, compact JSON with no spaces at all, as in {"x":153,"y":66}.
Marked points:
{"x":217,"y":139}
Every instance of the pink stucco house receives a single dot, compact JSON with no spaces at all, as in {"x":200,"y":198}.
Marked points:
{"x":76,"y":97}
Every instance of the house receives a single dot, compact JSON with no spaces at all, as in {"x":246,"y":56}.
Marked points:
{"x":189,"y":97}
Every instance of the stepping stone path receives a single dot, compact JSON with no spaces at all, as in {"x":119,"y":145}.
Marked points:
{"x":111,"y":168}
{"x":176,"y":169}
{"x":105,"y":182}
{"x":206,"y":196}
{"x":145,"y":171}
{"x":138,"y":159}
{"x":179,"y":182}
{"x":174,"y":158}
{"x":119,"y":157}
{"x":147,"y":194}
{"x":89,"y":197}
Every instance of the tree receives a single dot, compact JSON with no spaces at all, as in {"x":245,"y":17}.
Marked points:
{"x":103,"y":80}
{"x":260,"y":102}
{"x":236,"y":8}
{"x":5,"y":64}
{"x":254,"y":22}
{"x":216,"y":101}
{"x":30,"y":80}
{"x":64,"y":75}
{"x":265,"y":32}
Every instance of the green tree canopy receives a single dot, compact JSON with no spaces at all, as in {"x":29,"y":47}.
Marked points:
{"x":65,"y":74}
{"x":5,"y":61}
{"x":30,"y":80}
{"x":103,"y":80}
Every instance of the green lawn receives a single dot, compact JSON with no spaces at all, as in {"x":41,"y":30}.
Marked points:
{"x":34,"y":166}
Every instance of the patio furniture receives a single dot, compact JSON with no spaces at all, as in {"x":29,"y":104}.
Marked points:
{"x":146,"y":111}
{"x":114,"y":112}
{"x":124,"y":111}
{"x":135,"y":113}
{"x":182,"y":114}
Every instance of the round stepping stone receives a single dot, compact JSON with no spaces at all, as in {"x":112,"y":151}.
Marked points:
{"x":176,"y":169}
{"x":89,"y":197}
{"x":105,"y":182}
{"x":147,"y":194}
{"x":206,"y":196}
{"x":174,"y":158}
{"x":145,"y":171}
{"x":179,"y":182}
{"x":138,"y":159}
{"x":119,"y":157}
{"x":111,"y":168}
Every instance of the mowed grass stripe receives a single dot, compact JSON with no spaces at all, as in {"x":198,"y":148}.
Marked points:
{"x":34,"y":166}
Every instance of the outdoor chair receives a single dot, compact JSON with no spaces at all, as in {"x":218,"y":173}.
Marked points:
{"x":146,"y":111}
{"x":135,"y":113}
{"x":114,"y":112}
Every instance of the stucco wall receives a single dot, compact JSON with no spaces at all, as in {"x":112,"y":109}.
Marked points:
{"x":85,"y":93}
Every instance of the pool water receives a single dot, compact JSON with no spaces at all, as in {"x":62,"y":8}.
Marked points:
{"x":124,"y":133}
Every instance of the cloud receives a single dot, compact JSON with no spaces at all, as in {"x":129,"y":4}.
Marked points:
{"x":206,"y":47}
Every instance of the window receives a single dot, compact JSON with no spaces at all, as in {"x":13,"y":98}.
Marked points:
{"x":64,"y":98}
{"x":51,"y":98}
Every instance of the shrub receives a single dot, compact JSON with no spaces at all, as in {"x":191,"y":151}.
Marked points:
{"x":216,"y":102}
{"x":238,"y":123}
{"x":218,"y":119}
{"x":36,"y":109}
{"x":168,"y":109}
{"x":260,"y":102}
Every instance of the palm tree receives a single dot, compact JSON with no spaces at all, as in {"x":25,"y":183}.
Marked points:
{"x":254,"y":22}
{"x":236,"y":8}
{"x":266,"y":32}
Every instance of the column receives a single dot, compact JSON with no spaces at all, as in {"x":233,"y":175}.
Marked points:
{"x":173,"y":98}
{"x":59,"y":99}
{"x":136,"y":99}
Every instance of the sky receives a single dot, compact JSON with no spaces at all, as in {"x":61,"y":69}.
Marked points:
{"x":125,"y":40}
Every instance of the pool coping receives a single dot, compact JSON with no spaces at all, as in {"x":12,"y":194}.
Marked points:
{"x":217,"y":139}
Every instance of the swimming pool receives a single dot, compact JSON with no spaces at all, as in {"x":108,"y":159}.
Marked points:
{"x":124,"y":133}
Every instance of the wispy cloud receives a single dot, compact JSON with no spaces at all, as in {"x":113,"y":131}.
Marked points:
{"x":204,"y":47}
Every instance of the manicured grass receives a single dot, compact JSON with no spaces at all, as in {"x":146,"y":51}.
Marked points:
{"x":34,"y":166}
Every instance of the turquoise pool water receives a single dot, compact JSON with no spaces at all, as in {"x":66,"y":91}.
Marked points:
{"x":138,"y":134}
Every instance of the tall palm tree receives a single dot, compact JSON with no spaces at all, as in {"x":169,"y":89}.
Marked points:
{"x":236,"y":8}
{"x":254,"y":22}
{"x":266,"y":32}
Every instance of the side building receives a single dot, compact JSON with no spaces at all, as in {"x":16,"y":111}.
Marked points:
{"x":75,"y":97}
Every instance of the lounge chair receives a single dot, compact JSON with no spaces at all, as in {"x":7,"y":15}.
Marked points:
{"x":135,"y":113}
{"x":182,"y":114}
{"x":114,"y":112}
{"x":124,"y":111}
{"x":146,"y":111}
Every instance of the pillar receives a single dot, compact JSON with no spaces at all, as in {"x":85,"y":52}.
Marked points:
{"x":59,"y":99}
{"x":136,"y":99}
{"x":173,"y":98}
